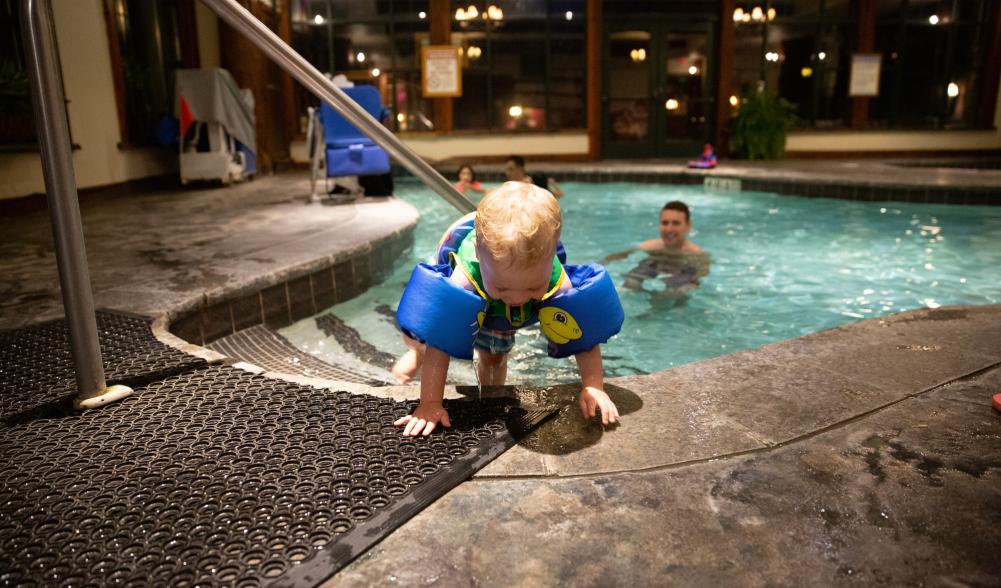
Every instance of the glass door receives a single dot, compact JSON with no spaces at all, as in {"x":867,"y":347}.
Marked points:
{"x":658,"y":96}
{"x":686,"y":102}
{"x":630,"y":127}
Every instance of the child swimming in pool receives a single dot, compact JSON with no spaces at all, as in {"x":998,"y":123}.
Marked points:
{"x":495,"y":271}
{"x":467,"y":180}
{"x":673,"y":259}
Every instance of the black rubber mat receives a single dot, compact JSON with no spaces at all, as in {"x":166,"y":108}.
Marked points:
{"x":218,"y":477}
{"x":267,"y":349}
{"x":36,"y":365}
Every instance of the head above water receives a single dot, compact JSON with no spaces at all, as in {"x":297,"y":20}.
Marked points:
{"x":675,"y":223}
{"x":514,"y":168}
{"x":466,"y":173}
{"x":517,"y":228}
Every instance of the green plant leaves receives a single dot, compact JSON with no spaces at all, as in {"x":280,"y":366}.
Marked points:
{"x":758,"y":130}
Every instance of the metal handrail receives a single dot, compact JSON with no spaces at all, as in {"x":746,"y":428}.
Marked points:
{"x":298,"y":67}
{"x":60,"y":189}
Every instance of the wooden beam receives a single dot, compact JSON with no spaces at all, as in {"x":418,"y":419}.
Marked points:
{"x":992,"y":70}
{"x":865,"y":42}
{"x":187,"y":33}
{"x":117,"y":70}
{"x":440,"y":14}
{"x":724,"y":77}
{"x":594,"y":79}
{"x":288,"y":92}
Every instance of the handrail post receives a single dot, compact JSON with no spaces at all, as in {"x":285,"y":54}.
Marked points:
{"x":64,"y":206}
{"x":299,"y":68}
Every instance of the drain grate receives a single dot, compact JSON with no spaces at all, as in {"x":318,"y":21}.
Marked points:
{"x":36,"y":365}
{"x":218,"y":477}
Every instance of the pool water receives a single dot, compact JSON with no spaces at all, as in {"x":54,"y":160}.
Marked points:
{"x":782,"y":267}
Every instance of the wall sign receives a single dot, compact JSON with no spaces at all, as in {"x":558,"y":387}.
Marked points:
{"x":441,"y":74}
{"x":864,"y":79}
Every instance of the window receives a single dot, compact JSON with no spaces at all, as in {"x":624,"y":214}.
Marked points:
{"x":800,"y":49}
{"x":370,"y":42}
{"x":17,"y":126}
{"x":146,"y":47}
{"x":933,"y":53}
{"x":523,"y":67}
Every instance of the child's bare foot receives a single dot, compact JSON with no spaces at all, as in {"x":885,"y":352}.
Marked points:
{"x":405,"y":367}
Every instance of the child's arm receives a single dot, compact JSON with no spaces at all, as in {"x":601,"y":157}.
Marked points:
{"x":434,"y":370}
{"x":430,"y":411}
{"x":592,"y":394}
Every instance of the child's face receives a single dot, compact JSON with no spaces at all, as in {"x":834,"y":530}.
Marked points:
{"x":465,"y":175}
{"x":673,"y":228}
{"x":515,"y":283}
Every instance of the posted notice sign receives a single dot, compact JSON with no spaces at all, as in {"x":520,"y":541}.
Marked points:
{"x":864,"y":80}
{"x":441,"y":73}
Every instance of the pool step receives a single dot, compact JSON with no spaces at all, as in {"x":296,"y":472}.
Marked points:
{"x":274,"y":353}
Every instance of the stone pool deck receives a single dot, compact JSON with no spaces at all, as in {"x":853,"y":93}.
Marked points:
{"x":863,"y":454}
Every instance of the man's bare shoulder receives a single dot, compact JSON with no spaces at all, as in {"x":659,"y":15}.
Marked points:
{"x":652,"y":245}
{"x":690,"y":247}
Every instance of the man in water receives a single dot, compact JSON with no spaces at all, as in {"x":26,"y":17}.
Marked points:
{"x":514,"y":169}
{"x":673,"y":259}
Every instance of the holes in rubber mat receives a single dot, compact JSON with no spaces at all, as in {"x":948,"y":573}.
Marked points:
{"x":218,"y":477}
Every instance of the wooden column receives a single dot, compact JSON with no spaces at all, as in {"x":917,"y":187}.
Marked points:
{"x":992,"y":69}
{"x":252,"y":69}
{"x":187,"y":32}
{"x":440,"y":13}
{"x":865,"y":42}
{"x":594,"y":79}
{"x":287,"y":91}
{"x":724,"y":77}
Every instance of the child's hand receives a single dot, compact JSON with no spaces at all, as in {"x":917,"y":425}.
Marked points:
{"x":591,"y":399}
{"x":426,"y":417}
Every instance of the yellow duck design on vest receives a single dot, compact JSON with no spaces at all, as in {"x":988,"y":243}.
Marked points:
{"x":558,"y":326}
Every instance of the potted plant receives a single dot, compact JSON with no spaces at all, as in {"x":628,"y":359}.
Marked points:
{"x":760,"y":125}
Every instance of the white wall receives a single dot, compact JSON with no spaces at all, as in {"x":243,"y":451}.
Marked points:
{"x":437,"y":148}
{"x":848,"y":141}
{"x":208,"y":36}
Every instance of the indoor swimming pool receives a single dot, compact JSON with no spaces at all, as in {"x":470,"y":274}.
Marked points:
{"x":782,"y":267}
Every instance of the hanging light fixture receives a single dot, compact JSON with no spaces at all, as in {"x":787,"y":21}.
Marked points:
{"x":638,"y":55}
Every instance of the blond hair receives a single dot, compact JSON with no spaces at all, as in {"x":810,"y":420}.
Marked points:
{"x":518,"y":222}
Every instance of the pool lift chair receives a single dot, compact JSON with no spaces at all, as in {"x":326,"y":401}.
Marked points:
{"x":339,"y":150}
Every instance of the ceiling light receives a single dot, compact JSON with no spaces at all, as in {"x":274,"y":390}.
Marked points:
{"x":360,"y":57}
{"x":375,"y":72}
{"x":953,"y":90}
{"x":693,"y":70}
{"x":318,"y":19}
{"x":569,"y":15}
{"x":671,"y":104}
{"x":422,"y":15}
{"x":933,"y":19}
{"x":515,"y":111}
